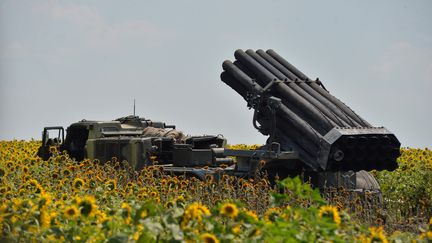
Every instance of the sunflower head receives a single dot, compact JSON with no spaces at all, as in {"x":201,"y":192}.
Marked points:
{"x":25,"y":169}
{"x":236,"y":229}
{"x":376,"y":234}
{"x":9,"y":164}
{"x":101,"y":217}
{"x":55,"y":176}
{"x":194,"y":211}
{"x":44,"y":218}
{"x":92,"y":184}
{"x":78,"y":183}
{"x":229,"y":210}
{"x":44,"y":200}
{"x":272,"y":214}
{"x":3,"y":190}
{"x":169,"y":204}
{"x":330,"y":212}
{"x":126,"y":209}
{"x":2,"y":172}
{"x":66,"y":172}
{"x":180,"y":200}
{"x":87,"y":206}
{"x":163,"y":182}
{"x":251,"y":215}
{"x":209,"y":238}
{"x":71,"y":211}
{"x":426,"y":236}
{"x":34,"y":186}
{"x":111,"y":185}
{"x":52,"y":149}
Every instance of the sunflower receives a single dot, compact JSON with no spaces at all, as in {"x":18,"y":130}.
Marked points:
{"x":330,"y":211}
{"x":154,"y":194}
{"x":87,"y":206}
{"x":92,"y":184}
{"x":22,"y":192}
{"x":126,"y":210}
{"x":377,"y":234}
{"x":251,"y":214}
{"x":209,"y":238}
{"x":78,"y":183}
{"x":3,"y":190}
{"x":101,"y":217}
{"x":141,"y":195}
{"x":169,"y":204}
{"x":1,"y":221}
{"x":86,"y":162}
{"x":143,"y":213}
{"x":58,"y":205}
{"x":3,"y":209}
{"x":72,"y":168}
{"x":194,"y":211}
{"x":427,"y":236}
{"x":9,"y":164}
{"x":255,"y":232}
{"x":66,"y":172}
{"x":8,"y":195}
{"x":236,"y":229}
{"x":2,"y":172}
{"x":180,"y":200}
{"x":128,"y":191}
{"x":184,"y":183}
{"x":44,"y":218}
{"x":138,"y":232}
{"x":64,"y":197}
{"x":54,"y":175}
{"x":272,"y":214}
{"x":71,"y":211}
{"x":163,"y":182}
{"x":111,"y":185}
{"x":33,"y":183}
{"x":52,"y":149}
{"x":44,"y":200}
{"x":229,"y":209}
{"x":34,"y":186}
{"x":25,"y":169}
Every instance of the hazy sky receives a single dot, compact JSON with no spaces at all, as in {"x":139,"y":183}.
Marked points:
{"x":62,"y":61}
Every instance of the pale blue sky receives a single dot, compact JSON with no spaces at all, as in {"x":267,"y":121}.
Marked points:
{"x":62,"y":61}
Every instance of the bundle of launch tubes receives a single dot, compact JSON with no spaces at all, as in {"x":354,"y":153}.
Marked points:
{"x":301,"y":115}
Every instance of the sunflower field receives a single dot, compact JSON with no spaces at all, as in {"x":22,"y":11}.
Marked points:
{"x":88,"y":201}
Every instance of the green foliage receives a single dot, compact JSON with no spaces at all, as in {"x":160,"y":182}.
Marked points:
{"x":407,"y":191}
{"x":294,"y":192}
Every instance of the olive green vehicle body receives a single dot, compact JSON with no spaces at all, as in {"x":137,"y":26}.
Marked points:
{"x":128,"y":139}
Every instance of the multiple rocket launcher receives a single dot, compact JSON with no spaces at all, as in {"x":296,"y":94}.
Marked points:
{"x":301,"y":115}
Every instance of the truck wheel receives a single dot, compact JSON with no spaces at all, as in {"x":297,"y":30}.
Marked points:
{"x":366,"y":181}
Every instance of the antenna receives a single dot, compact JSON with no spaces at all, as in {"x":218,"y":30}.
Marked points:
{"x":134,"y":107}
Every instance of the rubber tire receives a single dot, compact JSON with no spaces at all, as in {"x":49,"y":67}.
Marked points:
{"x":366,"y":181}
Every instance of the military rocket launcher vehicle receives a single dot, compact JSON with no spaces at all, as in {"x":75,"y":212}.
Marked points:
{"x":310,"y":131}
